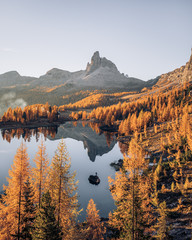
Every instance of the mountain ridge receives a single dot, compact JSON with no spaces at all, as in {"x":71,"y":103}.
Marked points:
{"x":59,"y":87}
{"x":177,"y":76}
{"x":103,"y":66}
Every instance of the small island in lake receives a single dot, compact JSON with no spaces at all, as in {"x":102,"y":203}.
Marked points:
{"x":94,"y":179}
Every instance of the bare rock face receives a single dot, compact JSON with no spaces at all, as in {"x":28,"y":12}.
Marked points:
{"x":97,"y":62}
{"x":187,"y":73}
{"x":178,"y":76}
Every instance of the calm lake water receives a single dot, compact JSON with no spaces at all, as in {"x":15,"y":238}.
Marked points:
{"x":89,"y":153}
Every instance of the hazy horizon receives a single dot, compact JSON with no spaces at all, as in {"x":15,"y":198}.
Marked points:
{"x":143,"y":38}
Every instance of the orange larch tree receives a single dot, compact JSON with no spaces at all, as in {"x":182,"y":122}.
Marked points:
{"x":131,"y":190}
{"x":95,"y":228}
{"x":63,"y":190}
{"x":40,"y":173}
{"x":14,"y":198}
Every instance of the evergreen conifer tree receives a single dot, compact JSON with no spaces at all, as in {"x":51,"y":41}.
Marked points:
{"x":29,"y":211}
{"x":161,"y":225}
{"x":45,"y":225}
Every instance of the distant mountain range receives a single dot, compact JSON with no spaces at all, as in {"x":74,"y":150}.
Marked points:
{"x":62,"y":87}
{"x":101,"y":73}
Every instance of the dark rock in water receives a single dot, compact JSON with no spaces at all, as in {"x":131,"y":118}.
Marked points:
{"x":117,"y":165}
{"x":94,"y":179}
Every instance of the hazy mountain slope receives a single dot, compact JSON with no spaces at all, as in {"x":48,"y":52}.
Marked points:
{"x":100,"y":73}
{"x":13,"y":79}
{"x":56,"y":84}
{"x":57,"y":77}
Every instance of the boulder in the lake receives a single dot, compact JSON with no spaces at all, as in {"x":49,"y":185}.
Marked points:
{"x":94,"y":179}
{"x":117,"y":165}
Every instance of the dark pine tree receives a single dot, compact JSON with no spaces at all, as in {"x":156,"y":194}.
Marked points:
{"x":46,"y":226}
{"x":29,"y":212}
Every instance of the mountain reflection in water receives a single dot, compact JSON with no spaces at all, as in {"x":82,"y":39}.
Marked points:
{"x":94,"y":140}
{"x":84,"y":142}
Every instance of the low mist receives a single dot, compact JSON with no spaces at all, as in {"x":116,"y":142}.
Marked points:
{"x":10,"y":100}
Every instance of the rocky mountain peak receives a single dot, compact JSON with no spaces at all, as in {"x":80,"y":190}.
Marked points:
{"x":96,"y":58}
{"x":190,"y":60}
{"x":97,"y":62}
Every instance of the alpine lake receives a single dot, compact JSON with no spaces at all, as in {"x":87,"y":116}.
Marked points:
{"x":91,"y":151}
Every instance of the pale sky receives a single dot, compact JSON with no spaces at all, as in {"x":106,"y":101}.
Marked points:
{"x":144,"y":38}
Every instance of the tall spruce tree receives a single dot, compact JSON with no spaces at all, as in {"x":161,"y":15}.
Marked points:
{"x":29,"y":211}
{"x":45,"y":225}
{"x":63,"y":190}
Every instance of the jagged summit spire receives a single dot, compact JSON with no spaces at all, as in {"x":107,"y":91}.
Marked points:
{"x":96,"y":54}
{"x":190,"y":60}
{"x":97,"y":61}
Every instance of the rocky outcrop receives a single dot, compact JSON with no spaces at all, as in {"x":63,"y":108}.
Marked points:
{"x":117,"y":165}
{"x":178,"y":76}
{"x":97,"y":62}
{"x":187,"y":73}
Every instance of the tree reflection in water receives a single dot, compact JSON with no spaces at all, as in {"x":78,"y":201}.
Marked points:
{"x":27,"y":133}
